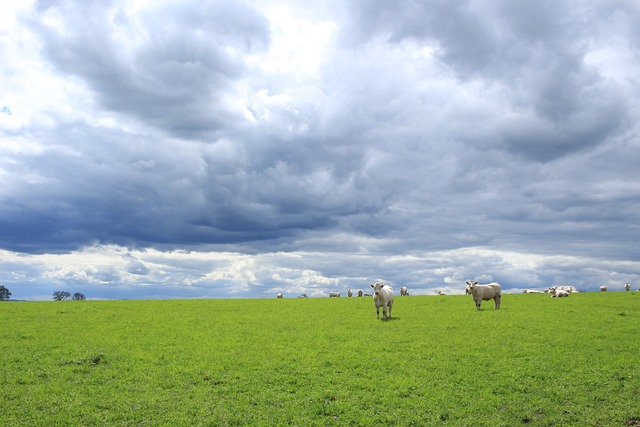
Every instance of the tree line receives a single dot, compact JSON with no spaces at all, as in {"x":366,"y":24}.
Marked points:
{"x":5,"y":294}
{"x":64,"y":295}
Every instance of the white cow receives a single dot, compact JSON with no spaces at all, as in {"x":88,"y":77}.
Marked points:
{"x":467,"y":290}
{"x":532,"y":291}
{"x":560,"y":294}
{"x":441,"y":293}
{"x":360,"y":292}
{"x":603,"y":288}
{"x":279,"y":295}
{"x":569,"y":289}
{"x":382,"y":297}
{"x":349,"y":293}
{"x":334,"y":294}
{"x":487,"y":292}
{"x":627,"y":287}
{"x":404,"y":291}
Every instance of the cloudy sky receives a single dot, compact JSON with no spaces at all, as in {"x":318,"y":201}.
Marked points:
{"x":190,"y":149}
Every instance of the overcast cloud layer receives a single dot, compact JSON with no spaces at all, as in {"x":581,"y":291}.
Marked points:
{"x":156,"y":149}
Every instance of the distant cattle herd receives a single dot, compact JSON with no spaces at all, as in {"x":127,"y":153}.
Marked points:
{"x":383,"y":294}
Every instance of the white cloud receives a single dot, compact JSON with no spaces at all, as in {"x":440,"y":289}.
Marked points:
{"x":98,"y":271}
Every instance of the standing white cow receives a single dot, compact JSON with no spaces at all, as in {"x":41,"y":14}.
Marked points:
{"x":349,"y":293}
{"x":627,"y":286}
{"x":487,"y":292}
{"x":467,"y":290}
{"x":382,"y":297}
{"x":279,"y":295}
{"x":603,"y":288}
{"x":360,"y":292}
{"x":404,"y":291}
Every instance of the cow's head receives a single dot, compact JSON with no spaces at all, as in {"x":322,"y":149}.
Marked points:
{"x":471,"y":284}
{"x":376,"y":288}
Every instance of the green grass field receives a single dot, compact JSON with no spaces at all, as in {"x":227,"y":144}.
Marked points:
{"x":537,"y":361}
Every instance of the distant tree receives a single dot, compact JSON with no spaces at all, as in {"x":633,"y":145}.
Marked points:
{"x":61,"y":295}
{"x":4,"y":293}
{"x":78,"y":297}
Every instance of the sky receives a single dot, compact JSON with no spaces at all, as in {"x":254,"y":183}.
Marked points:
{"x":238,"y":149}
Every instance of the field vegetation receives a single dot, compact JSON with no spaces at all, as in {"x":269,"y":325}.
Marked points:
{"x":536,"y":361}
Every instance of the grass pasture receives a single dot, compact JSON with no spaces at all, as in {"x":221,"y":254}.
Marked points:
{"x":537,"y":361}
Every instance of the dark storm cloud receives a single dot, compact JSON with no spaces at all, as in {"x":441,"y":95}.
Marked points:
{"x":111,"y":187}
{"x":534,"y":50}
{"x":170,"y":67}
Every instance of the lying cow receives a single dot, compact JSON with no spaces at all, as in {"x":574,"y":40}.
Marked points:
{"x":569,"y":289}
{"x":334,"y":294}
{"x":279,"y":295}
{"x":382,"y":297}
{"x":603,"y":288}
{"x":404,"y":291}
{"x":487,"y":292}
{"x":560,"y":294}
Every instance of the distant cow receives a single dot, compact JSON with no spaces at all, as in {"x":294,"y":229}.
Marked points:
{"x":569,"y":289}
{"x":441,"y":293}
{"x":467,"y":290}
{"x":303,"y":296}
{"x":279,"y":295}
{"x":487,"y":292}
{"x":532,"y":291}
{"x":349,"y":293}
{"x":334,"y":294}
{"x":382,"y":297}
{"x":360,"y":292}
{"x":627,"y":287}
{"x":404,"y":291}
{"x":560,"y":294}
{"x":603,"y":288}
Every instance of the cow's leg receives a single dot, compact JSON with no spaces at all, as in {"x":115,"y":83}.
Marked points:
{"x":384,"y":312}
{"x":390,"y":306}
{"x":478,"y":302}
{"x":377,"y":312}
{"x":497,"y":301}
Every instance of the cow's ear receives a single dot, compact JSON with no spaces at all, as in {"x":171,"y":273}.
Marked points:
{"x":372,"y":285}
{"x":381,"y":285}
